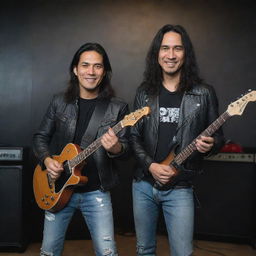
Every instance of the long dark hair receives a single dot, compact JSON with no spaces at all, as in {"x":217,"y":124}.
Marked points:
{"x":152,"y":81}
{"x":105,"y":88}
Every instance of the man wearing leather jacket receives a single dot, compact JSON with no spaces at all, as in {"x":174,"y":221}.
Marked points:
{"x":85,"y":111}
{"x":182,"y":106}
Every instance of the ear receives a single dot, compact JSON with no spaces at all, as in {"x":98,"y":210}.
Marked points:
{"x":75,"y":70}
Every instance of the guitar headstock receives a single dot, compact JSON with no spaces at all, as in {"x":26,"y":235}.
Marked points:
{"x":237,"y":107}
{"x":134,"y":117}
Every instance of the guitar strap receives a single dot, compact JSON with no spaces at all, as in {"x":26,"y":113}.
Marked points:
{"x":96,"y":118}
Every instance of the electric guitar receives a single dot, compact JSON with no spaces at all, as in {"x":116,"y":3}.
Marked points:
{"x":235,"y":108}
{"x":53,"y":195}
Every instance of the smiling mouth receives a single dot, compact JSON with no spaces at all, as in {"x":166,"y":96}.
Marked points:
{"x":170,"y":64}
{"x":90,"y":79}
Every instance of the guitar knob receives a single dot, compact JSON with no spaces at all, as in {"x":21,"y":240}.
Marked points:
{"x":52,"y":198}
{"x":46,"y":196}
{"x":42,"y":199}
{"x":46,"y":203}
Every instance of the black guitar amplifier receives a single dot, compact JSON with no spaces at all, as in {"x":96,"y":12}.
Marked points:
{"x":227,"y":194}
{"x":13,"y":197}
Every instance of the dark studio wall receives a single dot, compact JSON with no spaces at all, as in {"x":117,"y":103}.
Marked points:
{"x":38,"y":40}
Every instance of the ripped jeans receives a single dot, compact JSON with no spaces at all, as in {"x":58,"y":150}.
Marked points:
{"x":96,"y":208}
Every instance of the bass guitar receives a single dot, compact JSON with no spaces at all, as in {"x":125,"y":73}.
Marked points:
{"x":235,"y":108}
{"x":53,"y":195}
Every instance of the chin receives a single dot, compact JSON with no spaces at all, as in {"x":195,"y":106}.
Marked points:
{"x":172,"y":71}
{"x":92,"y":89}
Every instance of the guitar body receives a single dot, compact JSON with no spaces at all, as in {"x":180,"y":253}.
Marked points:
{"x":54,"y":195}
{"x":168,"y":160}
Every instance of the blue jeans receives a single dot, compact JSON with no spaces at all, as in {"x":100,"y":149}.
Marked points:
{"x":96,"y":208}
{"x":178,"y":211}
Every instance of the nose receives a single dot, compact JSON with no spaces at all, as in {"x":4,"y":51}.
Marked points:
{"x":171,"y":54}
{"x":91,"y":70}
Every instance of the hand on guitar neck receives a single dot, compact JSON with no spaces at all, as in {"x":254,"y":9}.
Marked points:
{"x":53,"y":167}
{"x":111,"y":143}
{"x":204,"y":144}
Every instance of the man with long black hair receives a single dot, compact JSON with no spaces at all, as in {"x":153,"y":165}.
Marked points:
{"x":85,"y":111}
{"x":182,"y":106}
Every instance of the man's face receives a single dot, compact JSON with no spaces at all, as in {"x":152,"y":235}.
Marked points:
{"x":171,"y":54}
{"x":89,"y":71}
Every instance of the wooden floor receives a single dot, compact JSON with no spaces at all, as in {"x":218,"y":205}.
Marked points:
{"x":126,"y":247}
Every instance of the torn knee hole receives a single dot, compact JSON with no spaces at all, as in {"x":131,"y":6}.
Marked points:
{"x":107,"y":238}
{"x":107,"y":252}
{"x":44,"y":253}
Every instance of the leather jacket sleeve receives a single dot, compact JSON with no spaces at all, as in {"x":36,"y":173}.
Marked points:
{"x":42,"y":137}
{"x":213,"y":114}
{"x":137,"y":135}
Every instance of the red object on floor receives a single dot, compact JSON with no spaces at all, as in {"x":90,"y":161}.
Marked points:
{"x":231,"y":148}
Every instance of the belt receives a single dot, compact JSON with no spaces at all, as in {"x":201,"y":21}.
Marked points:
{"x":170,"y":187}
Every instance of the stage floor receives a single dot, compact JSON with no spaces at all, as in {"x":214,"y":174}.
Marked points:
{"x":126,"y":247}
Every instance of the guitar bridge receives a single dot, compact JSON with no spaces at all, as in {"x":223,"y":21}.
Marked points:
{"x":50,"y":181}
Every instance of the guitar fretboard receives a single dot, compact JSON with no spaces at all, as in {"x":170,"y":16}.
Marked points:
{"x":187,"y":151}
{"x":91,"y":148}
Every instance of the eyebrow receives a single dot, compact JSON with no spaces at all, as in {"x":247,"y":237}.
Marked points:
{"x":166,"y":45}
{"x":97,"y":63}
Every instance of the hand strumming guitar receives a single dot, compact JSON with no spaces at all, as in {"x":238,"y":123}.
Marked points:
{"x":161,"y":172}
{"x":54,"y":168}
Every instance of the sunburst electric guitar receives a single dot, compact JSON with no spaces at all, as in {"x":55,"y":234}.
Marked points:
{"x":235,"y":108}
{"x":53,"y":195}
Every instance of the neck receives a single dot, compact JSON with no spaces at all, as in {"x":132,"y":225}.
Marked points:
{"x":88,"y":94}
{"x":171,"y":82}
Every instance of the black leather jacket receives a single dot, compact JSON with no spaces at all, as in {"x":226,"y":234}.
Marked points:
{"x":199,"y":108}
{"x":57,"y":129}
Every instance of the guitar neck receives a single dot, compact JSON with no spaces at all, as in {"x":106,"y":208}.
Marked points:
{"x":92,"y":148}
{"x":186,"y":152}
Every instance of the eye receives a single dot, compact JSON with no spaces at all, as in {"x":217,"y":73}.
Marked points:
{"x":179,"y":48}
{"x":99,"y":66}
{"x":164,"y":48}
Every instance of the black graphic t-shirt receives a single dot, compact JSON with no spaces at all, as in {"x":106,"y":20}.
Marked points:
{"x":169,"y":110}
